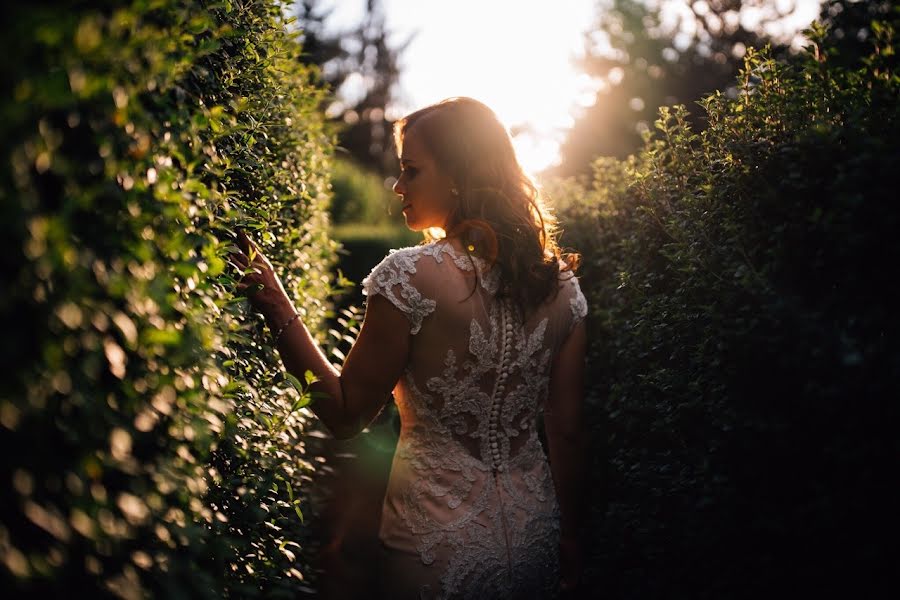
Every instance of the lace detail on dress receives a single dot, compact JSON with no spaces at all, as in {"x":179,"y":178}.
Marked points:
{"x":506,"y":334}
{"x":577,"y":302}
{"x":487,"y":277}
{"x":391,"y":279}
{"x":471,"y":491}
{"x":498,"y":520}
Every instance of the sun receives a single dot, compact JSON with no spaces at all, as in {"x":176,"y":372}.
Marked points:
{"x":515,"y":57}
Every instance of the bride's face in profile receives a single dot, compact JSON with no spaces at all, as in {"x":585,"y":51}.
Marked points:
{"x":424,"y":190}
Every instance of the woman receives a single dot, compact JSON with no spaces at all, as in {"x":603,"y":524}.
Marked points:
{"x":477,"y":334}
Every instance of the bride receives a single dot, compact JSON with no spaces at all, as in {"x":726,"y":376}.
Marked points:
{"x":479,"y":334}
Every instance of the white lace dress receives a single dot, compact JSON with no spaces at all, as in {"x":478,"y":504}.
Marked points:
{"x":470,"y":509}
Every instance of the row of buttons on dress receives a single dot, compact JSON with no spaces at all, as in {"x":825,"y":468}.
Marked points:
{"x":506,"y":340}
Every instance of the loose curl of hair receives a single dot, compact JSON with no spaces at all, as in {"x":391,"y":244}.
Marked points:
{"x":501,"y":215}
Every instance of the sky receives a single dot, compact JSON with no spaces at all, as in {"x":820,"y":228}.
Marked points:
{"x":516,"y":56}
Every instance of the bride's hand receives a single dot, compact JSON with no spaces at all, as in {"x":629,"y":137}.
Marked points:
{"x":258,"y":281}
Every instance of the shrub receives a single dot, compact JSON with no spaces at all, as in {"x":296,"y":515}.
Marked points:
{"x":744,"y":339}
{"x":360,"y":196}
{"x":151,"y":444}
{"x":367,"y":221}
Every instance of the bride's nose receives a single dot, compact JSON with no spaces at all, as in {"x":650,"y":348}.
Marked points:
{"x":398,"y":188}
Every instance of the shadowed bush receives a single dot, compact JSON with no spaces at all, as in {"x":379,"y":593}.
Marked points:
{"x":744,"y":338}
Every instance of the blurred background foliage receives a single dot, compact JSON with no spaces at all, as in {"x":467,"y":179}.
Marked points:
{"x":367,"y":222}
{"x":360,"y":64}
{"x":152,"y":446}
{"x":360,"y":197}
{"x":652,"y":53}
{"x":744,"y":358}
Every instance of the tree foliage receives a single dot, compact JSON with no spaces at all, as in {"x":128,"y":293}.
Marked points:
{"x":361,"y":65}
{"x":652,"y":53}
{"x":848,"y":23}
{"x":152,"y":446}
{"x":744,"y":335}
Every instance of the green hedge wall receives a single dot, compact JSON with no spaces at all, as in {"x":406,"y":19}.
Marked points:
{"x":744,"y":355}
{"x":151,"y":447}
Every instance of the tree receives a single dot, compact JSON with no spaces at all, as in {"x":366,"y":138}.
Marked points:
{"x":849,"y":23}
{"x":361,"y":66}
{"x":650,"y":53}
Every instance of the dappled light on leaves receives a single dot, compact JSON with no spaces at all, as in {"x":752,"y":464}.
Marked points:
{"x":145,"y":394}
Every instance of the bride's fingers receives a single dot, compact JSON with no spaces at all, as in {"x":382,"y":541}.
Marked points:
{"x":248,"y":277}
{"x":246,"y":244}
{"x":239,"y":273}
{"x":248,"y":259}
{"x":239,"y":259}
{"x":236,"y":254}
{"x":257,"y":265}
{"x":242,"y":240}
{"x":253,"y":258}
{"x":246,"y":288}
{"x":235,"y":264}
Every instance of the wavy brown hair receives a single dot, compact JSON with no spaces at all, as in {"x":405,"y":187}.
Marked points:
{"x":501,"y":215}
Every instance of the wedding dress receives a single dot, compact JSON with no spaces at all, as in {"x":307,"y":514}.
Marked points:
{"x":470,"y":509}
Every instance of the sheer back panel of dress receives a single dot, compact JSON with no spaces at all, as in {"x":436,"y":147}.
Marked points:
{"x":469,"y":473}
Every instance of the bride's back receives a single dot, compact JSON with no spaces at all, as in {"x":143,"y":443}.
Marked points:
{"x":469,"y":462}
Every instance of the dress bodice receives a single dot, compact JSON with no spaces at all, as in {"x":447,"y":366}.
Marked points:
{"x":470,"y":485}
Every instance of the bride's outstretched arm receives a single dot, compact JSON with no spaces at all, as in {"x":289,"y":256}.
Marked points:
{"x":567,"y":442}
{"x":346,"y":400}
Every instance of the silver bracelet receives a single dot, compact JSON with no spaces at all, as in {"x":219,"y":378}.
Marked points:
{"x":285,"y":326}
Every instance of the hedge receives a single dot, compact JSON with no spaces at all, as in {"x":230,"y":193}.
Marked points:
{"x":744,"y":352}
{"x":151,"y":445}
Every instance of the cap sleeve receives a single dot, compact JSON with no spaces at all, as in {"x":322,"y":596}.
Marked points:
{"x":394,"y":278}
{"x":577,"y":302}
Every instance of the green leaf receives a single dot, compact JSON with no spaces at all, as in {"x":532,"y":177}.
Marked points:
{"x":296,"y":383}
